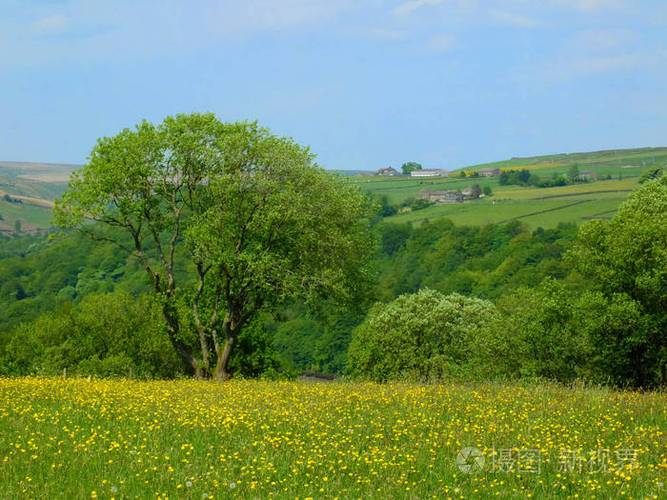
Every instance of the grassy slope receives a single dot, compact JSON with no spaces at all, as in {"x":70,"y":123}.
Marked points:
{"x":40,"y":181}
{"x":28,"y":179}
{"x":31,"y":216}
{"x":609,"y":159}
{"x":544,"y":207}
{"x":260,"y":439}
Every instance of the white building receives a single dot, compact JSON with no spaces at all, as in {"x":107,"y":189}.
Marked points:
{"x":435,"y":172}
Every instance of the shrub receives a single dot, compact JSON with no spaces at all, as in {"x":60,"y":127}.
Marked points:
{"x":421,"y":336}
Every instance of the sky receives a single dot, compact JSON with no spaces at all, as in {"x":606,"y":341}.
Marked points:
{"x":364,"y":83}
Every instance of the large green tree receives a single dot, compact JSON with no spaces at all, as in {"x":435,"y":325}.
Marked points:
{"x":628,"y":256}
{"x":260,"y":223}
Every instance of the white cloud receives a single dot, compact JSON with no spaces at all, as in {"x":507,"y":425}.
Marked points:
{"x":591,"y":5}
{"x":49,"y":25}
{"x":259,"y":15}
{"x":386,"y":34}
{"x":574,"y":66}
{"x":616,"y":62}
{"x":441,"y":43}
{"x":513,"y":19}
{"x":410,"y":6}
{"x":602,"y":40}
{"x":135,"y":29}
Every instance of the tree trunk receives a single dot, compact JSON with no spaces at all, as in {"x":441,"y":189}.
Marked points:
{"x":221,"y":372}
{"x":189,"y":361}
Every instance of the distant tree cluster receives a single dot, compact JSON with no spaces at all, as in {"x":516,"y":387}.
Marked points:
{"x":410,"y":166}
{"x":524,"y":177}
{"x":519,"y":177}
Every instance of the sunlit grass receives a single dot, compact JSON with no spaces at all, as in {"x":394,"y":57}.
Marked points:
{"x":258,"y":439}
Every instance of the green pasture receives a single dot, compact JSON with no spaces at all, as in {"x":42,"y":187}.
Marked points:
{"x":545,"y":207}
{"x":30,"y":216}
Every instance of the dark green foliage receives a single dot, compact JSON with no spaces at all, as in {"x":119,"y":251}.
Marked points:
{"x":556,"y":180}
{"x":394,"y":237}
{"x":481,"y":261}
{"x":562,"y":334}
{"x":410,"y":166}
{"x":520,"y":177}
{"x":627,"y":256}
{"x":653,"y":173}
{"x":37,"y":274}
{"x":103,"y":335}
{"x":599,"y":314}
{"x":386,"y":210}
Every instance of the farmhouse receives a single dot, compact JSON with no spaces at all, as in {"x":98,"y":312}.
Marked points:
{"x":442,"y":196}
{"x":488,"y":172}
{"x":436,"y":172}
{"x":387,"y":172}
{"x":587,"y":175}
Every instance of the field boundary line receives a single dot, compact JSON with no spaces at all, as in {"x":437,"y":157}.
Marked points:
{"x":540,"y":212}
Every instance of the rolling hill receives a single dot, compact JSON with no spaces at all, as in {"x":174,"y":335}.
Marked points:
{"x":617,"y":173}
{"x":27,"y":191}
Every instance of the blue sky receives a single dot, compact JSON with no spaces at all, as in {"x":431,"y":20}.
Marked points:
{"x":364,"y":83}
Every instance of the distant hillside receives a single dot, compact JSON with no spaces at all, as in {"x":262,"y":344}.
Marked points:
{"x":57,"y":173}
{"x":36,"y":180}
{"x":27,"y":191}
{"x":352,"y":172}
{"x":612,"y":158}
{"x":610,"y":177}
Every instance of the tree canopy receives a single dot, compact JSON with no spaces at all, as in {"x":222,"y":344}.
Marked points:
{"x":259,"y":221}
{"x":421,"y":336}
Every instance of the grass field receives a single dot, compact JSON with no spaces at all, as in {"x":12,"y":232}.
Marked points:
{"x":37,"y":184}
{"x":32,"y":217}
{"x":545,"y":207}
{"x":38,"y":180}
{"x":605,"y":162}
{"x":585,"y":201}
{"x":259,"y":439}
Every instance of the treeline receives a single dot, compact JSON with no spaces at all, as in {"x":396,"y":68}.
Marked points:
{"x":592,"y":308}
{"x":524,"y":177}
{"x":448,"y":301}
{"x":46,"y":284}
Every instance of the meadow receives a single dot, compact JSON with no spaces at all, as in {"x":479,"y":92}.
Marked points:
{"x":257,"y":439}
{"x":533,"y":206}
{"x":536,"y":207}
{"x":31,"y":216}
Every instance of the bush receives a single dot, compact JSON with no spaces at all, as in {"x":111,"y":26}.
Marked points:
{"x":421,"y":336}
{"x":103,"y":335}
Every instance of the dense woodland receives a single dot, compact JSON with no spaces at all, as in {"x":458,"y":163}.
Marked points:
{"x":195,"y":247}
{"x":561,"y":303}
